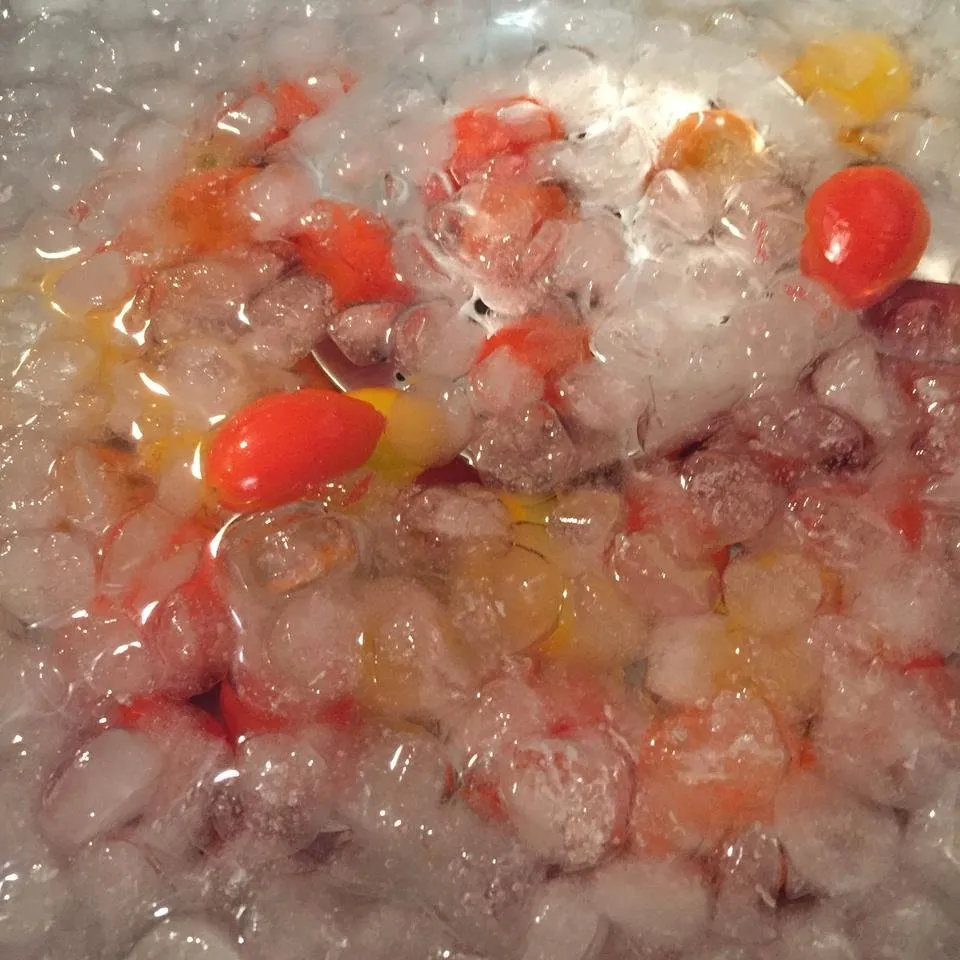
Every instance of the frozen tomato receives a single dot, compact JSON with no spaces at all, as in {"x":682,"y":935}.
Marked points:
{"x":285,"y":446}
{"x":867,"y":228}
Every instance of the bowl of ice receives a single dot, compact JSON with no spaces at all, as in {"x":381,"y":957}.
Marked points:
{"x":479,"y":480}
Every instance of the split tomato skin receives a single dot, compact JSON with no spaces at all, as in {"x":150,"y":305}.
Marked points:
{"x":867,"y":229}
{"x":284,"y":446}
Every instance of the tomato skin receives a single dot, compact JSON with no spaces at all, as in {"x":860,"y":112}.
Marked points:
{"x":867,"y":229}
{"x":284,"y":446}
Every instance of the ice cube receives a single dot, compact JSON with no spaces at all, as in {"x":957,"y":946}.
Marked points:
{"x":591,"y":259}
{"x":773,"y":593}
{"x":905,"y":923}
{"x":681,"y":651}
{"x":185,"y":938}
{"x":437,"y":340}
{"x":176,"y":821}
{"x":107,"y":655}
{"x":919,"y":322}
{"x":833,"y":840}
{"x":436,"y":526}
{"x":882,"y":733}
{"x":664,"y":904}
{"x":289,"y":659}
{"x":206,"y":381}
{"x":122,"y":890}
{"x":56,"y":372}
{"x":108,"y":783}
{"x":284,"y":787}
{"x":751,"y":877}
{"x":568,"y":798}
{"x":290,"y":915}
{"x":23,"y":318}
{"x":849,"y":380}
{"x":932,"y":841}
{"x":581,"y":89}
{"x":734,"y":498}
{"x":287,"y":319}
{"x":35,"y":893}
{"x":46,"y":577}
{"x":911,"y":600}
{"x":282,"y":550}
{"x":33,"y":727}
{"x":530,"y":452}
{"x":364,"y":333}
{"x":680,"y":204}
{"x":659,"y":582}
{"x":564,"y":925}
{"x":797,"y":431}
{"x":202,"y":297}
{"x":397,"y":785}
{"x":501,"y":385}
{"x":816,"y":934}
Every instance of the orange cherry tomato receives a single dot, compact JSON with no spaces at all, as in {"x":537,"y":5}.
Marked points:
{"x":544,"y":344}
{"x":498,"y":129}
{"x":353,"y":252}
{"x":285,"y":446}
{"x":867,"y":228}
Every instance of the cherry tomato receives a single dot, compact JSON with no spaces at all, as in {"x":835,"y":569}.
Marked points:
{"x":502,"y":128}
{"x":353,"y":252}
{"x":285,"y":446}
{"x":202,"y":207}
{"x":867,"y":228}
{"x":544,"y":344}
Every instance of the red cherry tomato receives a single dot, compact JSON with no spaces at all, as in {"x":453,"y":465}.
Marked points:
{"x":506,"y":127}
{"x":284,"y":446}
{"x":867,"y":228}
{"x":353,"y":252}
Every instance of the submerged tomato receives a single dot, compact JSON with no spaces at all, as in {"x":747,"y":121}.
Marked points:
{"x":867,"y":228}
{"x":283,"y":447}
